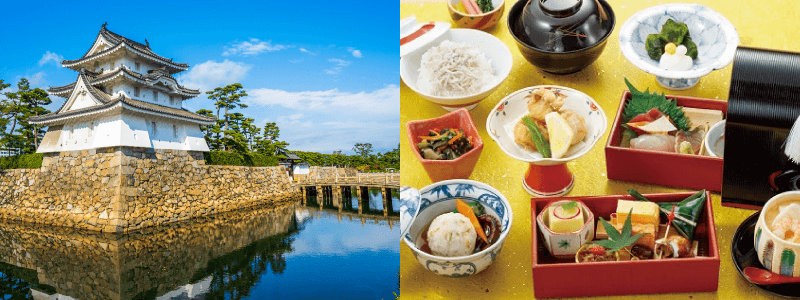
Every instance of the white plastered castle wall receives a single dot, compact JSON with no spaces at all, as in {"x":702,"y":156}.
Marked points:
{"x":124,"y":129}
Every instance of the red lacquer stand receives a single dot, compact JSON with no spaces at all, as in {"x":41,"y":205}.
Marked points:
{"x":548,"y":181}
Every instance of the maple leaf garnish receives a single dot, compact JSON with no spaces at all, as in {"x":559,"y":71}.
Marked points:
{"x":618,"y":240}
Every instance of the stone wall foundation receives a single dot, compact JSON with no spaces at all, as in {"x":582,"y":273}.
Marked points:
{"x":119,"y":189}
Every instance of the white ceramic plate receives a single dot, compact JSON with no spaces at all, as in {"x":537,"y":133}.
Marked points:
{"x":504,"y":116}
{"x":715,"y":37}
{"x":493,"y":48}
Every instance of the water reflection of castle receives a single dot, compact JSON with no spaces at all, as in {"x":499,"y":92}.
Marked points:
{"x":212,"y":257}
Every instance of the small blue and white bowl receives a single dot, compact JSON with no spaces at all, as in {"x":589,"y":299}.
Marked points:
{"x":439,"y":198}
{"x":715,"y":37}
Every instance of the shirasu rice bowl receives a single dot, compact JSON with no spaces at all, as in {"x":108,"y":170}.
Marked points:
{"x":451,"y":235}
{"x":453,"y":69}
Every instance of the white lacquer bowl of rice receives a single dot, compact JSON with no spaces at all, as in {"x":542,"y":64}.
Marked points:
{"x":440,"y":198}
{"x":492,"y":49}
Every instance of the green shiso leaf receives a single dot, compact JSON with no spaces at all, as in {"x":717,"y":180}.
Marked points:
{"x":641,"y":102}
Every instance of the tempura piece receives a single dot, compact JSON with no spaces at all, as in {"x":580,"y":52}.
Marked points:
{"x":522,"y":136}
{"x":542,"y":102}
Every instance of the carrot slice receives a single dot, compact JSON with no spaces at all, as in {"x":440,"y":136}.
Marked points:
{"x":466,"y":210}
{"x":455,"y":138}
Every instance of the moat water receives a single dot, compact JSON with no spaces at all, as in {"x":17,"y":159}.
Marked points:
{"x":290,"y":251}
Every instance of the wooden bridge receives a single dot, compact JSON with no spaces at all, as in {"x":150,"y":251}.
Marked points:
{"x":381,"y":180}
{"x":334,"y":186}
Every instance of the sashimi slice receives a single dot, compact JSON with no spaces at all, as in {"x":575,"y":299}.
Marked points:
{"x":656,"y":142}
{"x":661,"y":125}
{"x":694,"y":137}
{"x":650,"y":116}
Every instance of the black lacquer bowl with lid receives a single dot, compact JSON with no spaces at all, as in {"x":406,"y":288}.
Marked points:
{"x":561,"y":36}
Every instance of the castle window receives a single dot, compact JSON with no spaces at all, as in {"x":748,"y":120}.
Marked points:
{"x":112,"y":66}
{"x":136,"y":91}
{"x":137,"y":66}
{"x":175,"y":130}
{"x":155,"y":95}
{"x":171,"y":101}
{"x":91,"y":128}
{"x":71,"y":131}
{"x":155,"y":128}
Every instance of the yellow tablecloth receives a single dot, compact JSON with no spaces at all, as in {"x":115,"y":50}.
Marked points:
{"x":767,"y":24}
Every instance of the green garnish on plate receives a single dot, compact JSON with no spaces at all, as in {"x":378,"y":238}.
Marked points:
{"x":618,"y":240}
{"x":541,"y":144}
{"x":569,"y":205}
{"x":641,"y":102}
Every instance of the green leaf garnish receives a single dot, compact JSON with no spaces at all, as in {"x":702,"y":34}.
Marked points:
{"x":618,"y":240}
{"x":641,"y":102}
{"x":569,"y":205}
{"x":541,"y":144}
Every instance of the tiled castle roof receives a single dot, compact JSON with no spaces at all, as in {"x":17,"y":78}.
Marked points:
{"x":118,"y":42}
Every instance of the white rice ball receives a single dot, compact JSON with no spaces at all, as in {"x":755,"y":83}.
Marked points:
{"x":451,"y":234}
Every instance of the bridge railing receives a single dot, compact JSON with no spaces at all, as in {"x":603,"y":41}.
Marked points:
{"x":379,"y":179}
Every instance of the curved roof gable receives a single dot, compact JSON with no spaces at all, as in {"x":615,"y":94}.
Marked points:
{"x":151,"y":78}
{"x":117,"y":42}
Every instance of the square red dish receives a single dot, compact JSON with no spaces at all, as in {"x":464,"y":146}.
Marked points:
{"x":663,"y":168}
{"x":459,"y":168}
{"x":554,"y":277}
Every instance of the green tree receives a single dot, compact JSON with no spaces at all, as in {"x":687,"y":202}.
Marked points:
{"x":391,"y":159}
{"x":234,"y":139}
{"x":17,"y":108}
{"x":4,"y":104}
{"x":250,"y":132}
{"x":227,"y":98}
{"x":268,"y":142}
{"x":363,"y":149}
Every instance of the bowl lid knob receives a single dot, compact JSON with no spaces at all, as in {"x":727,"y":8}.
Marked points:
{"x":560,"y":8}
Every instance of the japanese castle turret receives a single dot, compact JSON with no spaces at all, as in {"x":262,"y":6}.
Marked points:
{"x":125,"y":95}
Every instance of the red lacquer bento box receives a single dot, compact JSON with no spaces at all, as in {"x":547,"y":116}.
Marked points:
{"x":554,"y":277}
{"x":663,"y":168}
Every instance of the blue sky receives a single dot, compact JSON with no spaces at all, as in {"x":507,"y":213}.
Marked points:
{"x":325,"y":71}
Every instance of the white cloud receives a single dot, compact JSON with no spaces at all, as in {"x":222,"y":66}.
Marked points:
{"x":37,"y":80}
{"x":212,"y":74}
{"x":386,"y":99}
{"x":324,"y":121}
{"x":306,"y":51}
{"x":252,"y":47}
{"x":356,"y":53}
{"x":295,"y":117}
{"x":333,"y":71}
{"x":48,"y":56}
{"x":340,"y":62}
{"x":338,"y":68}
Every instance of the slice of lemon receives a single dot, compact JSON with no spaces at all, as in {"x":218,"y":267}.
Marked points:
{"x":560,"y":134}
